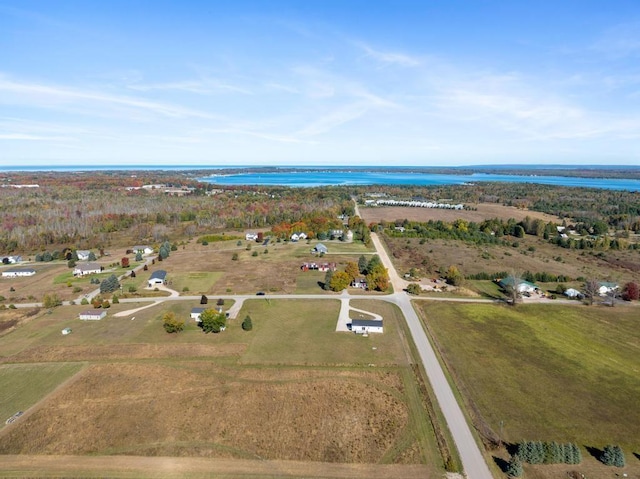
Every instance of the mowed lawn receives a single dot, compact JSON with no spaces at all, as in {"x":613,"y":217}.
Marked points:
{"x":554,"y":373}
{"x":23,"y":385}
{"x":303,"y":332}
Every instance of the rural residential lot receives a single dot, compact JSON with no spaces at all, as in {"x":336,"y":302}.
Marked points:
{"x":295,"y":398}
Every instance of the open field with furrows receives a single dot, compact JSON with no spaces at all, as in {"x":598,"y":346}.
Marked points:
{"x":290,"y":389}
{"x":550,"y":373}
{"x":484,"y":211}
{"x":200,"y":409}
{"x":210,"y":269}
{"x":531,"y":254}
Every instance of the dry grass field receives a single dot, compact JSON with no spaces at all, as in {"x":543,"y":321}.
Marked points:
{"x":532,"y":254}
{"x":292,"y":389}
{"x":211,"y":269}
{"x":484,"y":211}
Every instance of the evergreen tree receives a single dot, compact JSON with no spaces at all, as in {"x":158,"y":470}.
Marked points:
{"x":362,"y":264}
{"x":514,"y":468}
{"x":247,"y":325}
{"x":138,"y":256}
{"x":92,"y":256}
{"x":204,"y":299}
{"x":612,"y":456}
{"x":327,"y":280}
{"x":110,"y":284}
{"x":577,"y":455}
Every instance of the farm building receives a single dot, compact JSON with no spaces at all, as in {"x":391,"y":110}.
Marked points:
{"x":365,"y":326}
{"x":92,"y":315}
{"x":318,"y":267}
{"x":298,"y":236}
{"x":86,"y":268}
{"x":10,"y":259}
{"x":157,"y":277}
{"x":522,"y":286}
{"x":142,"y":249}
{"x":83,"y":254}
{"x":66,"y":331}
{"x":196,"y":312}
{"x":18,"y":272}
{"x":320,"y":249}
{"x":251,"y":236}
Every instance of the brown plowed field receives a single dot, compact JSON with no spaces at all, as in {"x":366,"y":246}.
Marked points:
{"x":199,"y":409}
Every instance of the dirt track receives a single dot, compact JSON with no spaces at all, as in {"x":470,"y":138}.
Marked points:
{"x":134,"y":466}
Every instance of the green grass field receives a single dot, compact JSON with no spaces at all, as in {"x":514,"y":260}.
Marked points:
{"x":23,"y":385}
{"x":197,"y":282}
{"x":546,"y":372}
{"x":303,"y":332}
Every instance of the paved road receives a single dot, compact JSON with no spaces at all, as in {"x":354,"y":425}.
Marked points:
{"x":473,"y":461}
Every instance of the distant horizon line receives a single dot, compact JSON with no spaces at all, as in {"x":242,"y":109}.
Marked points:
{"x":145,"y":166}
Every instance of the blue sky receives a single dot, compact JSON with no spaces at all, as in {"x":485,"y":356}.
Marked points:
{"x":319,"y":82}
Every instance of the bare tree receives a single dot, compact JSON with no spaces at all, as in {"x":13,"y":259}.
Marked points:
{"x":591,"y":290}
{"x":512,"y":282}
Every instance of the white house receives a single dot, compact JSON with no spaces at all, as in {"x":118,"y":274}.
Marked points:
{"x":251,"y":236}
{"x":157,"y":277}
{"x":365,"y":326}
{"x":605,"y":288}
{"x":93,"y":314}
{"x":18,"y":272}
{"x":83,"y":254}
{"x":298,"y":236}
{"x":142,"y":249}
{"x":66,"y":331}
{"x":196,"y":312}
{"x":86,"y":268}
{"x":360,"y":282}
{"x":572,"y":293}
{"x":521,"y":287}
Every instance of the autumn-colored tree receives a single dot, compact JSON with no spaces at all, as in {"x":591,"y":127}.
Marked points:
{"x":171,"y":324}
{"x":212,"y":322}
{"x":378,"y":278}
{"x":352,"y":270}
{"x":630,"y":292}
{"x":124,"y":262}
{"x":339,"y":281}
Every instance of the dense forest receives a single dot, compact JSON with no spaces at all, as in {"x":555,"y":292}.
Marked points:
{"x":83,"y":210}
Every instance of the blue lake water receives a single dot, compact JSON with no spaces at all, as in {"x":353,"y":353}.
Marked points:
{"x":356,"y":177}
{"x":300,"y":176}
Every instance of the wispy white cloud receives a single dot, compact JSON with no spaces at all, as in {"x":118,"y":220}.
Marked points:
{"x":203,"y":87}
{"x":619,"y":41}
{"x":389,"y":58}
{"x":27,"y":137}
{"x":51,"y":96}
{"x":256,"y":134}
